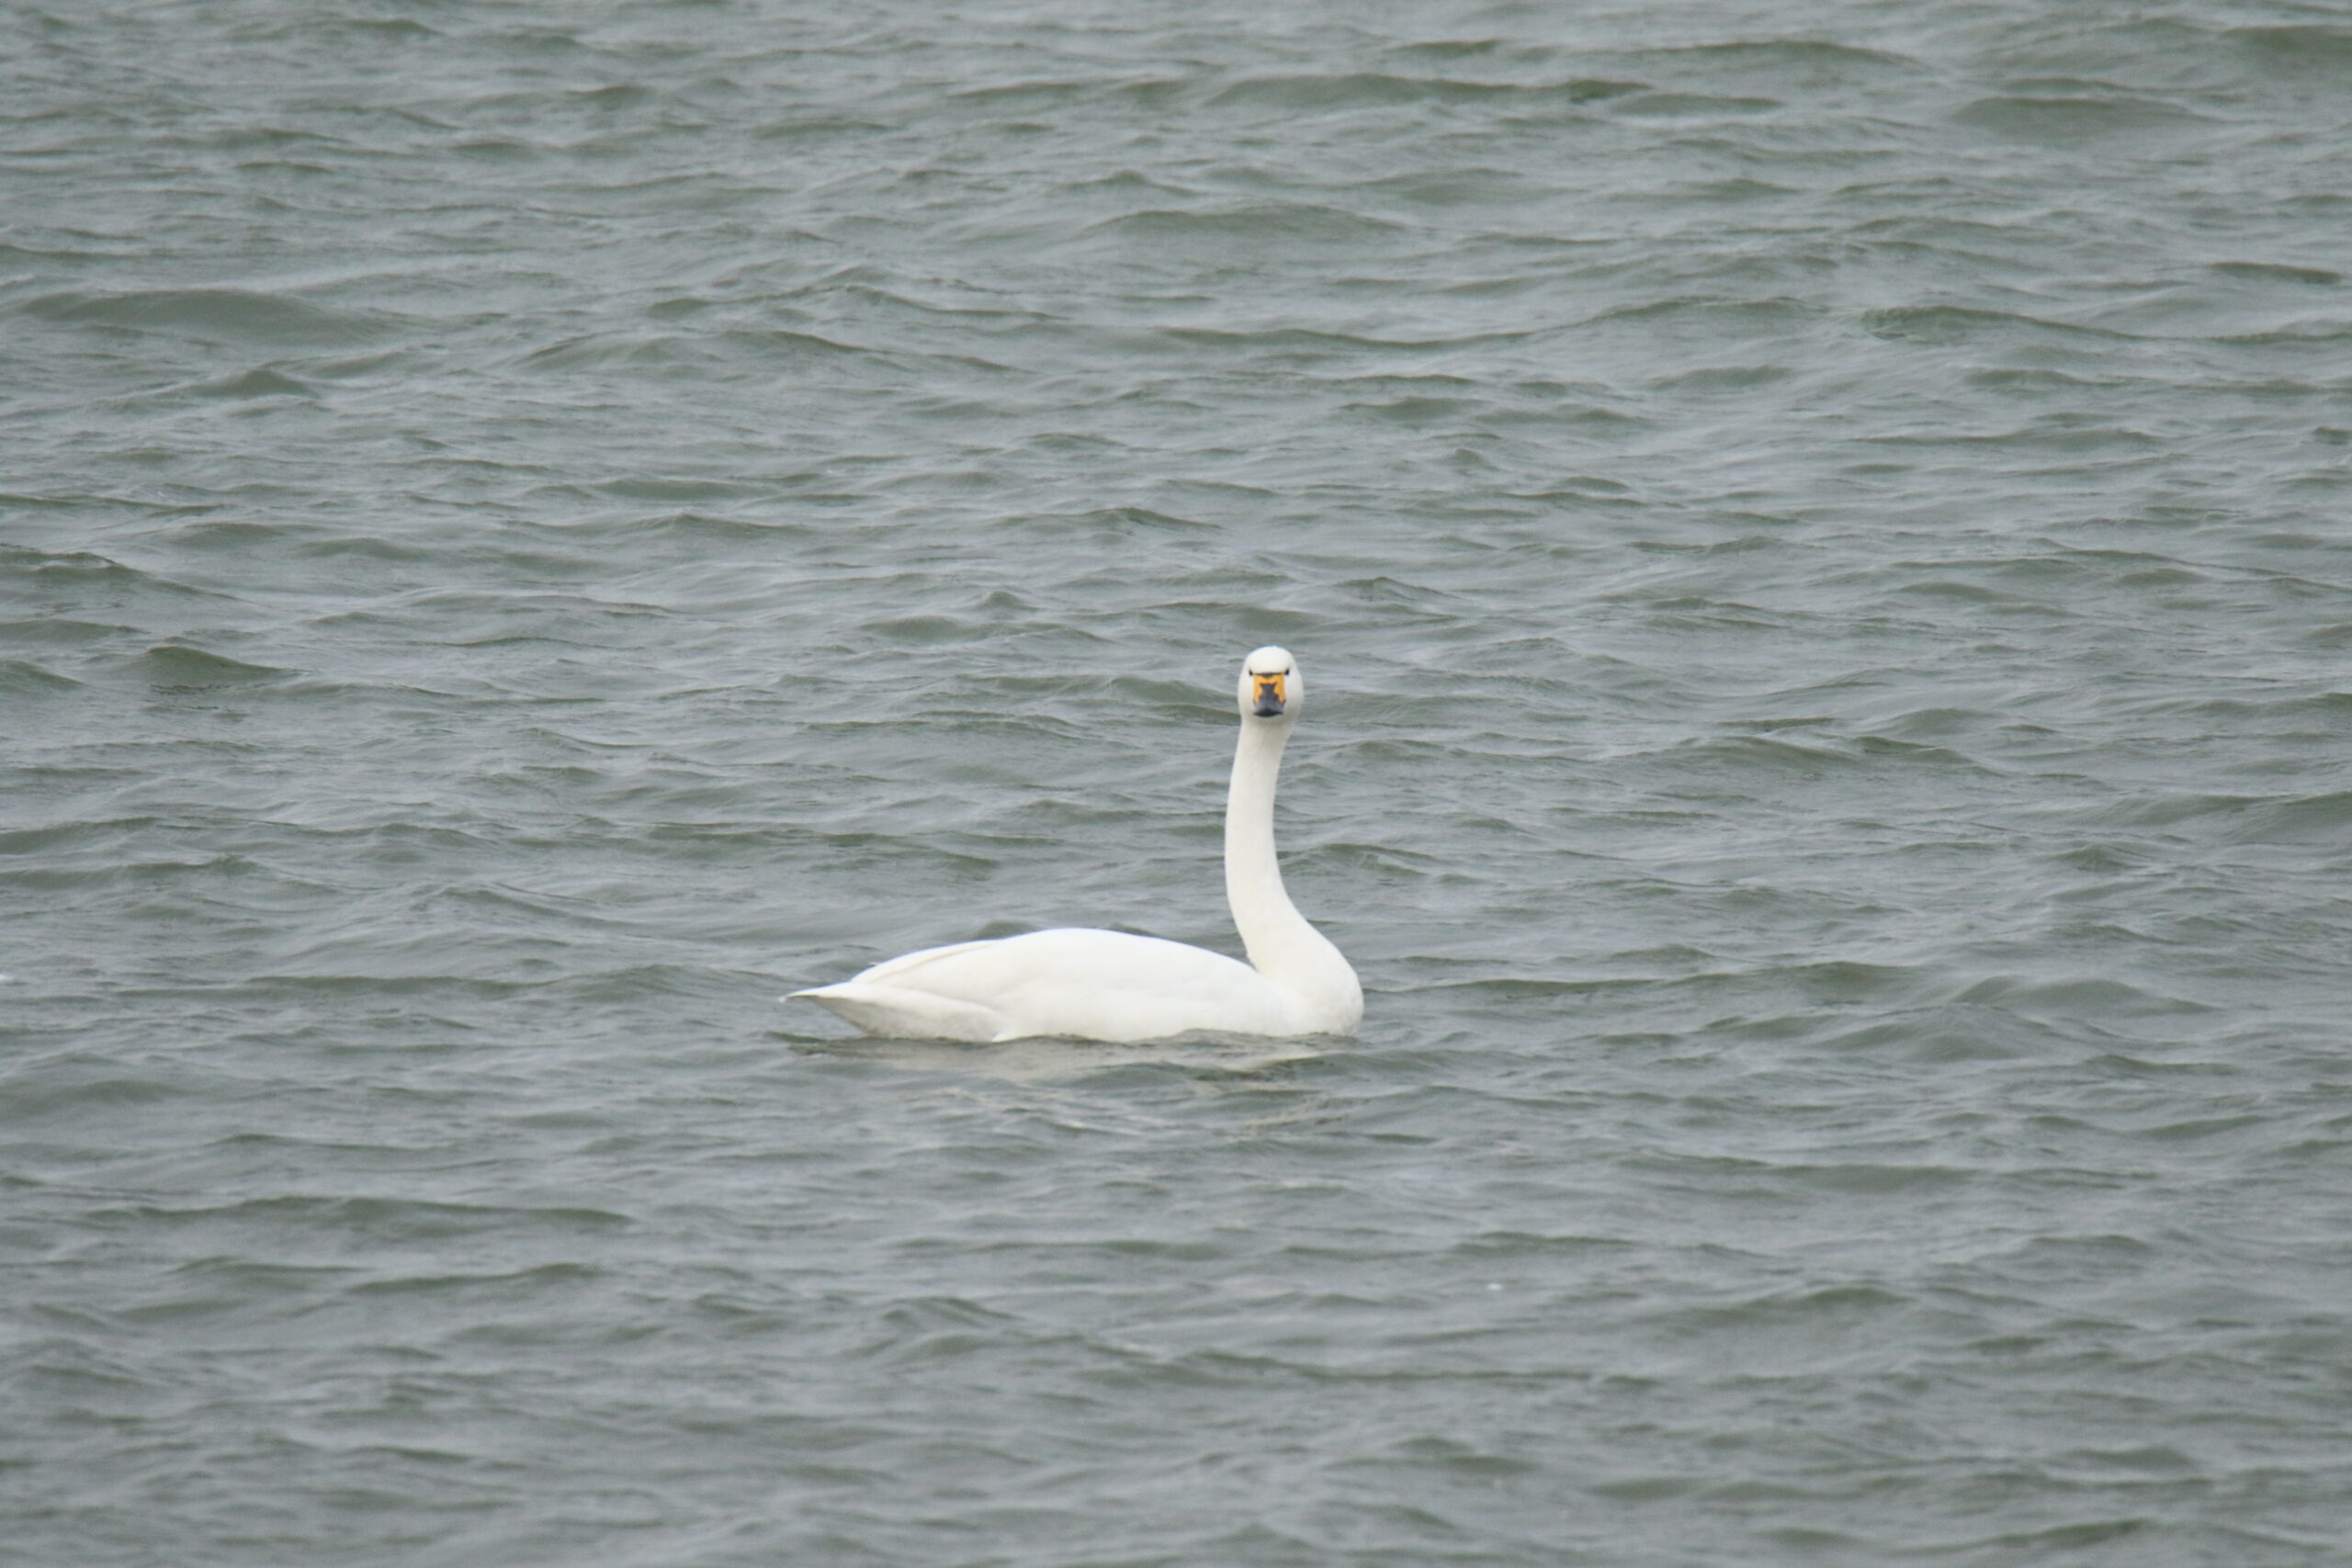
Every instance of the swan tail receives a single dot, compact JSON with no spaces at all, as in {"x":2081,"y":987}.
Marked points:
{"x":903,"y":1013}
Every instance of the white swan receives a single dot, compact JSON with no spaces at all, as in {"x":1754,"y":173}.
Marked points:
{"x":1096,"y":985}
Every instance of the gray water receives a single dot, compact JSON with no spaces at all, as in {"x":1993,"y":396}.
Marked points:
{"x":1816,"y":535}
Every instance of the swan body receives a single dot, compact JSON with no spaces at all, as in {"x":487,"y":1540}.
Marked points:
{"x":1099,"y":984}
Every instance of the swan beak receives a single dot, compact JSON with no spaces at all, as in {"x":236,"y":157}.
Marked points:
{"x":1270,"y":696}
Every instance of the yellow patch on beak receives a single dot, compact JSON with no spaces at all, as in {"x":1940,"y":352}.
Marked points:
{"x":1270,"y":695}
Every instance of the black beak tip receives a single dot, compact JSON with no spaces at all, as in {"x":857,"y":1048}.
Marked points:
{"x":1268,"y":707}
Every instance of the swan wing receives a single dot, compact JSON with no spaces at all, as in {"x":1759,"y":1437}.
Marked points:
{"x":907,"y":963}
{"x":899,"y":1013}
{"x":1093,"y":984}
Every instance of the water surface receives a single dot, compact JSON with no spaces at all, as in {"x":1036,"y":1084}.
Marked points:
{"x":1816,"y":537}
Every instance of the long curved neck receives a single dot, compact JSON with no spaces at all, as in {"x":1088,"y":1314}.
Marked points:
{"x":1282,"y":945}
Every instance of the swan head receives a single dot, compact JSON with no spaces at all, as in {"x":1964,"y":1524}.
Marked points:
{"x":1269,"y":689}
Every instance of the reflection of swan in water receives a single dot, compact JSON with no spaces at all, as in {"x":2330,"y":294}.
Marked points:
{"x":1237,"y":1062}
{"x":1097,"y":985}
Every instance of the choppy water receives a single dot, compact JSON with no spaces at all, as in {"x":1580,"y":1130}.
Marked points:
{"x":1818,"y":535}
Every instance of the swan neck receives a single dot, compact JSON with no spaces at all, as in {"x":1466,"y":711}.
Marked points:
{"x":1320,"y":986}
{"x":1282,"y":945}
{"x":1254,"y":877}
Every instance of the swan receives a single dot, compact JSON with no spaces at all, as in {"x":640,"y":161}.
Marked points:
{"x":1099,"y":984}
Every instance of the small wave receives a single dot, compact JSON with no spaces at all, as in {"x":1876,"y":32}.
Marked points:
{"x":1115,"y":523}
{"x":395,"y":1218}
{"x":1422,"y":412}
{"x":83,"y":566}
{"x":2278,"y":272}
{"x":1377,"y":89}
{"x":1721,"y":315}
{"x":44,"y":1095}
{"x":1692,"y":105}
{"x":234,"y":536}
{"x":2308,"y":819}
{"x":58,"y":835}
{"x":2307,"y":47}
{"x":1962,"y":323}
{"x":1726,"y":378}
{"x":1037,"y":94}
{"x":640,"y":352}
{"x":652,"y":488}
{"x":1879,"y":1179}
{"x":1362,"y":89}
{"x":259,"y":382}
{"x":2083,"y":996}
{"x":1778,"y":57}
{"x":1459,"y":187}
{"x":22,"y":678}
{"x":173,"y":666}
{"x":493,"y":1283}
{"x":2076,"y":118}
{"x":2040,"y":1545}
{"x":229,"y":315}
{"x":1257,"y":222}
{"x":57,"y":631}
